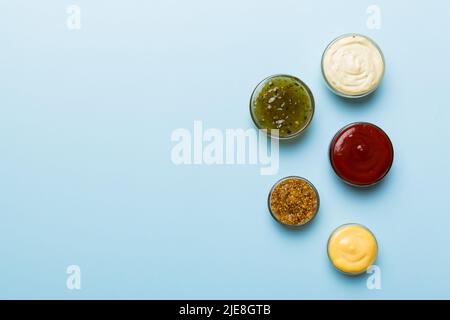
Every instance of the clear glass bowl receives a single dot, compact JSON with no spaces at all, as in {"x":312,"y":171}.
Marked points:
{"x":269,"y":200}
{"x":258,"y":89}
{"x":339,"y":228}
{"x":330,"y":155}
{"x":342,"y":94}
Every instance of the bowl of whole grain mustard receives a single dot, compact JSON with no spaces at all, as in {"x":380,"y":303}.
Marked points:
{"x":293,"y":201}
{"x":283,"y":105}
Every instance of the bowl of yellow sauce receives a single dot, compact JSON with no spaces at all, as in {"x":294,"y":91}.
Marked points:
{"x":352,"y":249}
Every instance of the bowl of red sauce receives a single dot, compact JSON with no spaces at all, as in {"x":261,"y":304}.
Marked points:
{"x":361,"y":154}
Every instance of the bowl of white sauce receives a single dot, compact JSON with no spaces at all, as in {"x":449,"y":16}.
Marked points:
{"x":353,"y":65}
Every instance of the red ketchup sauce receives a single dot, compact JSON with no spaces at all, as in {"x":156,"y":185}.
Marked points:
{"x":361,"y":154}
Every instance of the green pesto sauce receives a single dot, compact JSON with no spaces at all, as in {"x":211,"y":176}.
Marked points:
{"x":283,"y":103}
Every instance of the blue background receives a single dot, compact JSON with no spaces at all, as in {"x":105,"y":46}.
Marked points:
{"x":86,"y":176}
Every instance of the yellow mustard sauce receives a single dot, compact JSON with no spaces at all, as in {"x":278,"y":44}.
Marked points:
{"x":352,"y":249}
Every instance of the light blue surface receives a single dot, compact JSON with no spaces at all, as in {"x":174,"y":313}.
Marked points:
{"x":87,"y":179}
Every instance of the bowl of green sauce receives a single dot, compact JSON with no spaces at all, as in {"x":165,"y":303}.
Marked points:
{"x":283,"y":103}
